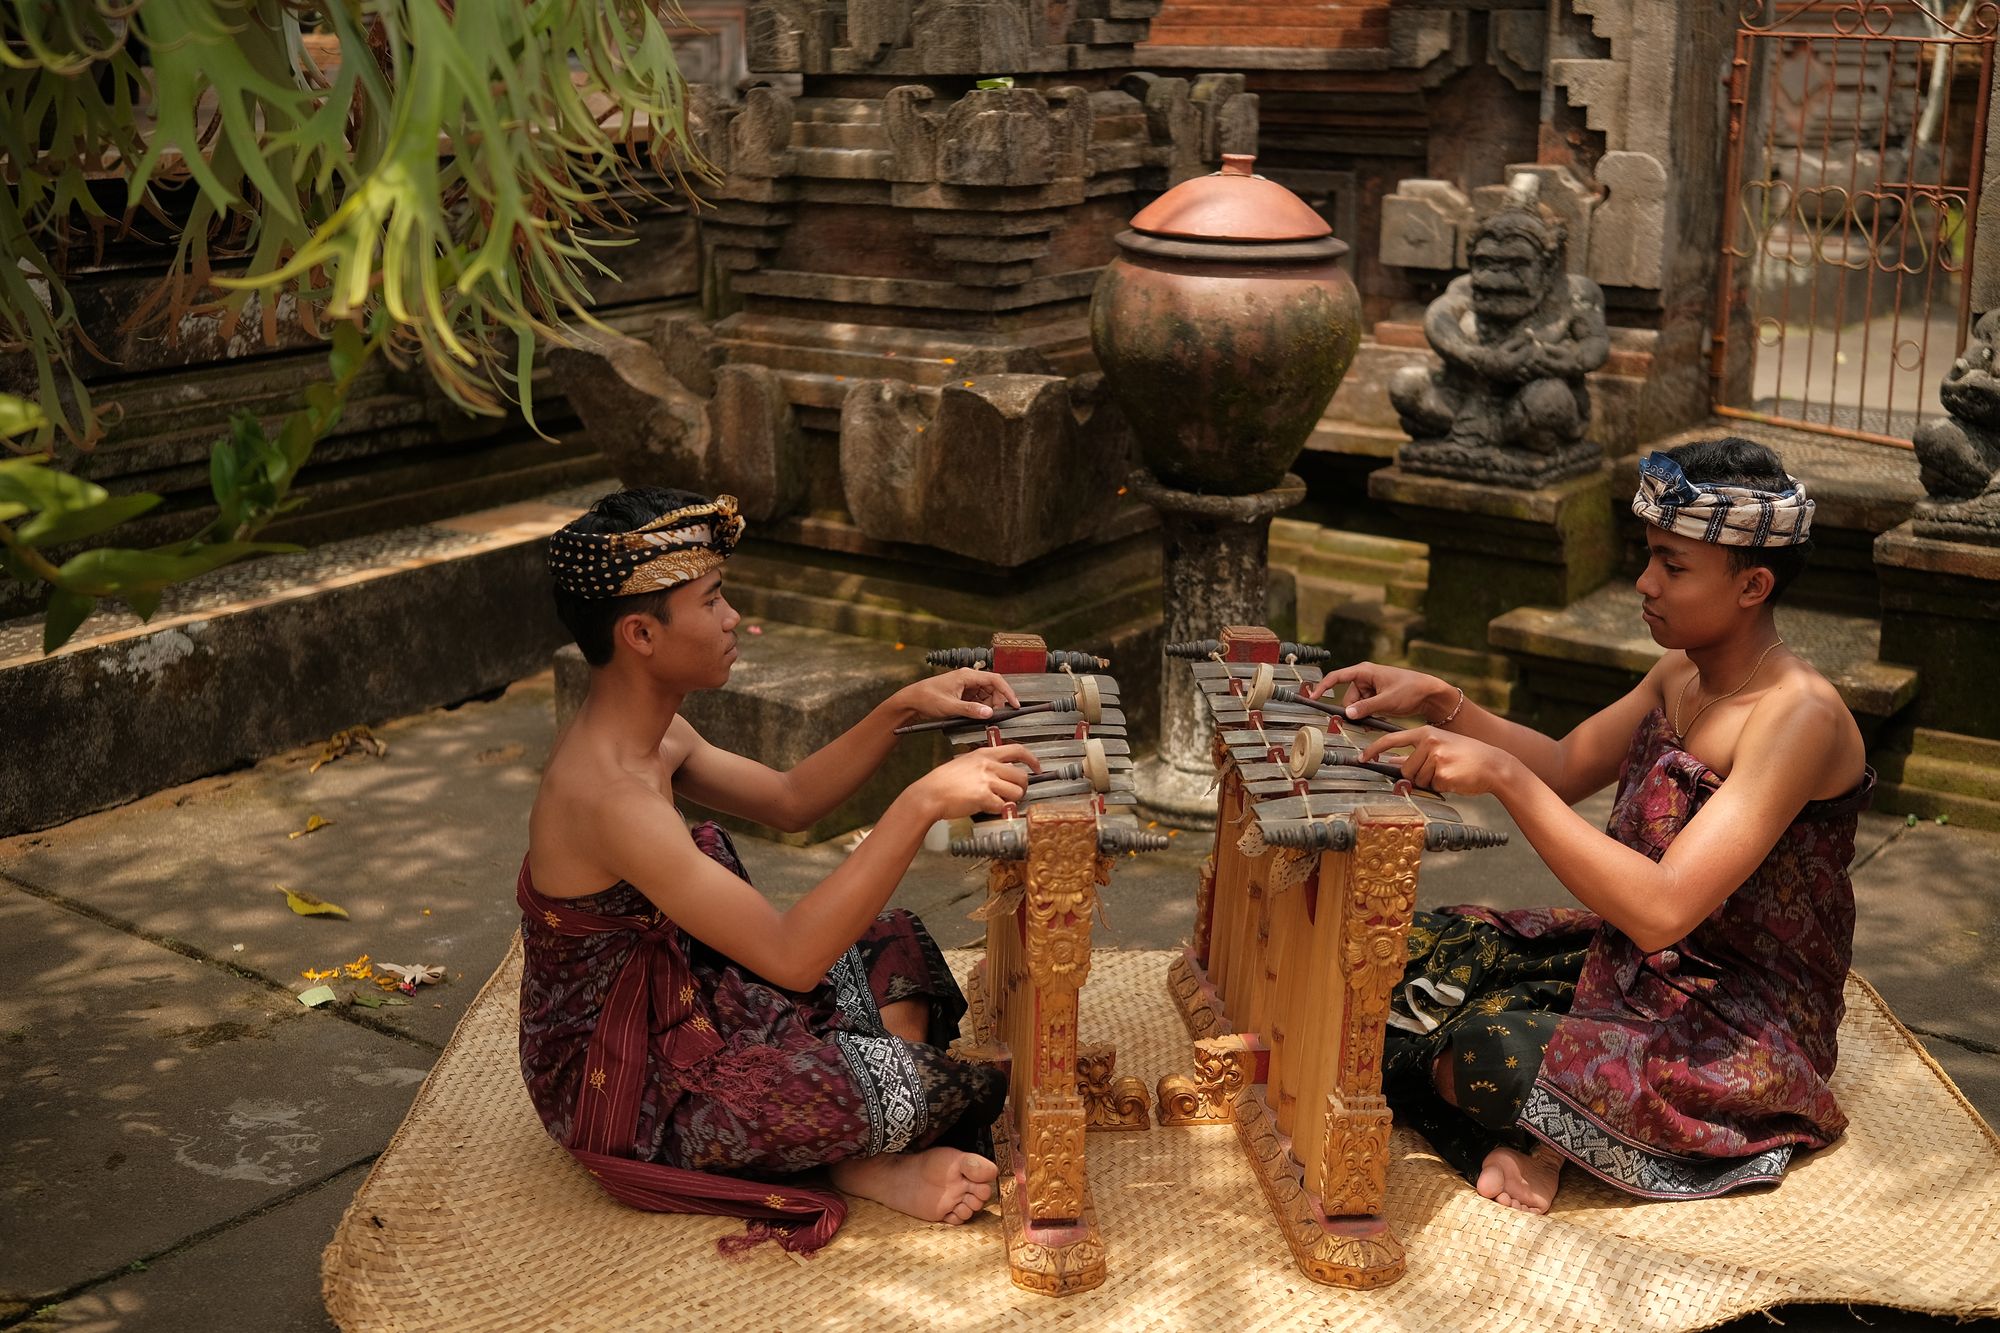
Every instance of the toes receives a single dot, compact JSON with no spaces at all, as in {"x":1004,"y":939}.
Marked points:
{"x":961,"y":1212}
{"x":978,"y":1169}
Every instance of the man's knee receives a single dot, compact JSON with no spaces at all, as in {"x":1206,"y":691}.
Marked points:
{"x":908,"y":1019}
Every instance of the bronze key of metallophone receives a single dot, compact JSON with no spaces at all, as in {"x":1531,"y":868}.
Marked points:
{"x":1047,"y":855}
{"x":1300,"y":919}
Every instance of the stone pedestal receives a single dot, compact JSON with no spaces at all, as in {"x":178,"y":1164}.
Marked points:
{"x":1941,"y":615}
{"x":1494,"y":548}
{"x":1215,"y":549}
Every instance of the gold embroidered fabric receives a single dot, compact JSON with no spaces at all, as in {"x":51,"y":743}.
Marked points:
{"x":673,"y":549}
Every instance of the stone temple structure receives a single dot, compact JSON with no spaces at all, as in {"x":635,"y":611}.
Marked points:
{"x":900,"y":385}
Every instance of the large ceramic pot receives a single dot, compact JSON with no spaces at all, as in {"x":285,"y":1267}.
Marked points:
{"x":1224,"y":327}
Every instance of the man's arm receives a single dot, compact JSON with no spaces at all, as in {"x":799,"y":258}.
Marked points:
{"x":793,"y":800}
{"x":1786,"y":747}
{"x":1574,"y":767}
{"x":1585,"y":760}
{"x":798,"y":798}
{"x":644,"y":843}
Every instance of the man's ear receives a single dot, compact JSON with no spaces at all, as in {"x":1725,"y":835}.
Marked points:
{"x":1755,"y":586}
{"x":636,"y":632}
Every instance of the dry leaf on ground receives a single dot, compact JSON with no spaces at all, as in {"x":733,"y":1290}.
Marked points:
{"x":349,"y":742}
{"x":307,"y":905}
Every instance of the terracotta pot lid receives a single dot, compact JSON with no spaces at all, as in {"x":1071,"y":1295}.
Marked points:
{"x":1233,"y":205}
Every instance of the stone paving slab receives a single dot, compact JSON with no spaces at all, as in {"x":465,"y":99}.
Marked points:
{"x":261,"y":1276}
{"x":422,"y":852}
{"x":150,"y":1096}
{"x":1977,"y":1074}
{"x":1928,"y":931}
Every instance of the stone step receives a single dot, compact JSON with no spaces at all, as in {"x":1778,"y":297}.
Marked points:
{"x":1354,"y":623}
{"x":860,"y":164}
{"x":1406,"y":593}
{"x":1578,"y":659}
{"x":1952,"y":747}
{"x":1933,"y":774}
{"x":1311,"y":549}
{"x":265,"y":655}
{"x":1359,"y":594}
{"x":1925,"y":802}
{"x":1976,"y":780}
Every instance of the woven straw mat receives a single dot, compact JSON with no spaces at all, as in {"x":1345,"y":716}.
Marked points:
{"x":473,"y":1219}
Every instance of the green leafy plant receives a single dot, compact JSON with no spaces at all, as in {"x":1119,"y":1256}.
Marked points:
{"x":250,"y":474}
{"x":437,"y":179}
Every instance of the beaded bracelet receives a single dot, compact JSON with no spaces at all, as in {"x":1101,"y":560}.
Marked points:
{"x":1446,"y":720}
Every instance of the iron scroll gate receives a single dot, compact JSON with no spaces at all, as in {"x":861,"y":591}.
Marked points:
{"x":1856,"y":145}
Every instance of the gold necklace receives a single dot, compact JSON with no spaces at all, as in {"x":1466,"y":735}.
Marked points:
{"x":1681,"y":698}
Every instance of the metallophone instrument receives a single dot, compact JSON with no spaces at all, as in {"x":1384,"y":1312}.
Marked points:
{"x":1047,"y":858}
{"x":1300,"y":920}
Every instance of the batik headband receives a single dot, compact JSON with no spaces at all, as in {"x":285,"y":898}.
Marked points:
{"x":665,"y":553}
{"x":1721,"y":515}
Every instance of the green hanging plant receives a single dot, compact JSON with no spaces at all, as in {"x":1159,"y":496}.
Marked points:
{"x":437,"y":179}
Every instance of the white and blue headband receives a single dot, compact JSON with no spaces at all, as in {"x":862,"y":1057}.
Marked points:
{"x":1721,"y":515}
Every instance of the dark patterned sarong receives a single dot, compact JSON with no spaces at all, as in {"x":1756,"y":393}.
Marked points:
{"x":1488,"y":1002}
{"x":661,"y":1064}
{"x":1684,"y":1073}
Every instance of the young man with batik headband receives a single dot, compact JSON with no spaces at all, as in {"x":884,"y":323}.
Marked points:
{"x":693,"y":1045}
{"x":1675,"y":1039}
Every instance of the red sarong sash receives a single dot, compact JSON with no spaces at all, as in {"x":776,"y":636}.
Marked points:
{"x":652,"y":993}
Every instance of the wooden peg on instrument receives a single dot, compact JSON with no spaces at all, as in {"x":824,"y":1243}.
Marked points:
{"x":1308,"y":753}
{"x":1263,"y":681}
{"x":1096,"y":767}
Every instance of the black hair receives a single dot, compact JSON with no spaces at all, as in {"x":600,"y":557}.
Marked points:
{"x":1735,"y":461}
{"x":590,"y":620}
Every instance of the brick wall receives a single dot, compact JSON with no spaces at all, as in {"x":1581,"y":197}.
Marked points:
{"x":1332,"y":25}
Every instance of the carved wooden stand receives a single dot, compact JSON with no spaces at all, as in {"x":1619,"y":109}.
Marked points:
{"x":1305,"y":1090}
{"x":1024,"y":1017}
{"x":1023,"y":1009}
{"x":1286,"y":990}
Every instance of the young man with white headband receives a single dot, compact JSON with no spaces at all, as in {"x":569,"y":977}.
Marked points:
{"x":693,"y":1046}
{"x":1676,"y":1038}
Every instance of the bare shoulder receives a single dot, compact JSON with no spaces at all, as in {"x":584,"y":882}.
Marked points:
{"x":1801,"y":694}
{"x":1803,"y":716}
{"x":573,"y":831}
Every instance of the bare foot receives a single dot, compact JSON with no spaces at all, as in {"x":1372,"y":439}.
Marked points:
{"x":1526,"y":1181}
{"x":937,"y":1185}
